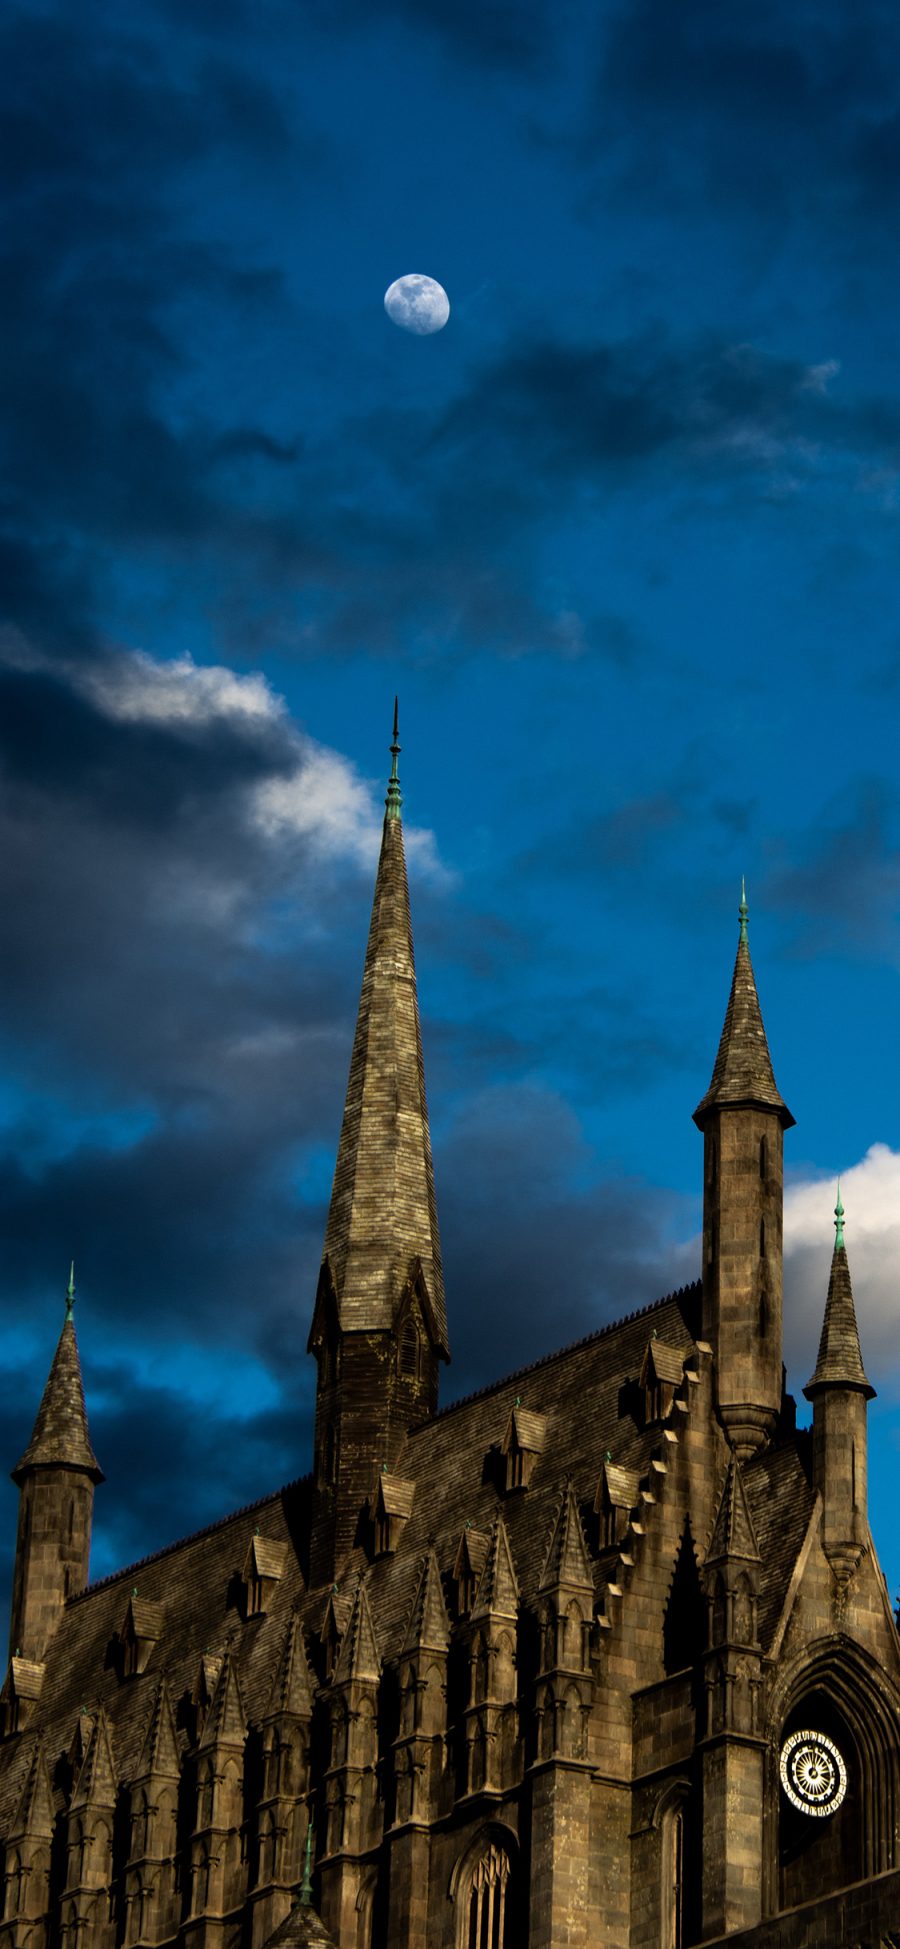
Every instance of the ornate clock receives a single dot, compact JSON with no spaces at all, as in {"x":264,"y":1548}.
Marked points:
{"x":813,"y":1773}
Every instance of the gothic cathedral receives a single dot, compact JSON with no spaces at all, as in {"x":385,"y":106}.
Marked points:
{"x":598,"y":1658}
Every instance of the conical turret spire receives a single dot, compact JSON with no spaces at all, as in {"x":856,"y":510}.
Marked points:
{"x":382,"y":1223}
{"x":840,"y":1359}
{"x":60,"y":1437}
{"x":743,"y":1071}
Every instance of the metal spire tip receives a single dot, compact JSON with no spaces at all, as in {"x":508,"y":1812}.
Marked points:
{"x":394,"y":799}
{"x":743,"y":910}
{"x":839,"y":1221}
{"x":70,"y":1291}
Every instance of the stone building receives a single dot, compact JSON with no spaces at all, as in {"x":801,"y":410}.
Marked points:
{"x":598,"y":1658}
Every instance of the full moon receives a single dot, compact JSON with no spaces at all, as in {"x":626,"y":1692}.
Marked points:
{"x":417,"y":304}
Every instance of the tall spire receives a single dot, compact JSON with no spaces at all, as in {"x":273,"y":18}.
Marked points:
{"x":60,"y":1436}
{"x":743,"y":1072}
{"x":382,"y":1223}
{"x":840,"y":1358}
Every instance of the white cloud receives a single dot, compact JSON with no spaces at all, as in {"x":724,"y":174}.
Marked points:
{"x":320,"y":798}
{"x":135,"y":688}
{"x":817,"y":378}
{"x":870,"y":1191}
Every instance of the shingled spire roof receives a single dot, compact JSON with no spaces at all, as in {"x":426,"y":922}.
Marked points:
{"x":743,"y":1071}
{"x":60,"y":1438}
{"x":382,"y":1222}
{"x":840,"y":1359}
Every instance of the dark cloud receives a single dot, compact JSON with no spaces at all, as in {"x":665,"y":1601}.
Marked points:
{"x":780,"y":110}
{"x":173,"y":1460}
{"x":540,"y":1246}
{"x":841,"y":891}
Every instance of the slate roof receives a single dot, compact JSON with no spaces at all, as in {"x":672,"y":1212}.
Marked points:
{"x":589,"y":1397}
{"x":840,"y":1360}
{"x":60,"y":1432}
{"x":743,"y":1072}
{"x":781,"y":1501}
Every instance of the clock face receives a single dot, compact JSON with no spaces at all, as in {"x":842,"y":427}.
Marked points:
{"x":813,"y":1773}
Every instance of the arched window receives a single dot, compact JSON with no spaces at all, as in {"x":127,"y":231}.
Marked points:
{"x":409,"y":1351}
{"x":486,"y":1902}
{"x":762,"y":1238}
{"x":763,"y":1159}
{"x":672,"y":1905}
{"x":328,"y":1460}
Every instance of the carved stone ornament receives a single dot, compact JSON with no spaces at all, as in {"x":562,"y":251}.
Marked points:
{"x":813,"y":1773}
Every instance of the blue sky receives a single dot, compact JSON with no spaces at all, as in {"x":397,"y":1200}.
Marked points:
{"x":624,"y":537}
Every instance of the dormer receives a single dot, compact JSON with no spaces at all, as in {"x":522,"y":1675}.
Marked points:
{"x":617,"y":1493}
{"x":391,"y":1506}
{"x":470,"y":1561}
{"x":141,"y":1629}
{"x":20,"y":1694}
{"x":204,"y":1686}
{"x":523,"y":1442}
{"x":263,"y":1569}
{"x":661,"y":1373}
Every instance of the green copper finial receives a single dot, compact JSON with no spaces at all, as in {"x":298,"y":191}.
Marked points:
{"x":839,"y":1221}
{"x":70,"y":1291}
{"x":394,"y":800}
{"x":306,"y":1884}
{"x":743,"y":910}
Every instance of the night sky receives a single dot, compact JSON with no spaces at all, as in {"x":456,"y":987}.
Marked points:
{"x":625,"y":537}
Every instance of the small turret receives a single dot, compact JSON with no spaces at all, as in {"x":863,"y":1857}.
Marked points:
{"x":839,"y":1392}
{"x":56,"y":1477}
{"x":743,"y":1118}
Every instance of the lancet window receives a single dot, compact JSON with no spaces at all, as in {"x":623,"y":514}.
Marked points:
{"x":486,"y":1911}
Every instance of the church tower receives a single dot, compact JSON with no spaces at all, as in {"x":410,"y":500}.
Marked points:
{"x":743,"y":1119}
{"x":840,"y":1393}
{"x":379,"y":1326}
{"x":56,"y":1478}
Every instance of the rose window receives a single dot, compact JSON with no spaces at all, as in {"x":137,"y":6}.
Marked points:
{"x":813,"y":1773}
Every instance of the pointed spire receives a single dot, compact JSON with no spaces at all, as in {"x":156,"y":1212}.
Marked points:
{"x":159,"y":1751}
{"x":498,"y":1586}
{"x":743,"y":1071}
{"x":567,"y":1559}
{"x":733,"y":1532}
{"x":429,"y":1625}
{"x":382,"y":1225}
{"x":35,"y":1814}
{"x":97,"y":1783}
{"x":840,"y":1357}
{"x":225,"y":1718}
{"x":292,"y":1690}
{"x":60,"y":1436}
{"x":359,"y":1657}
{"x":394,"y":801}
